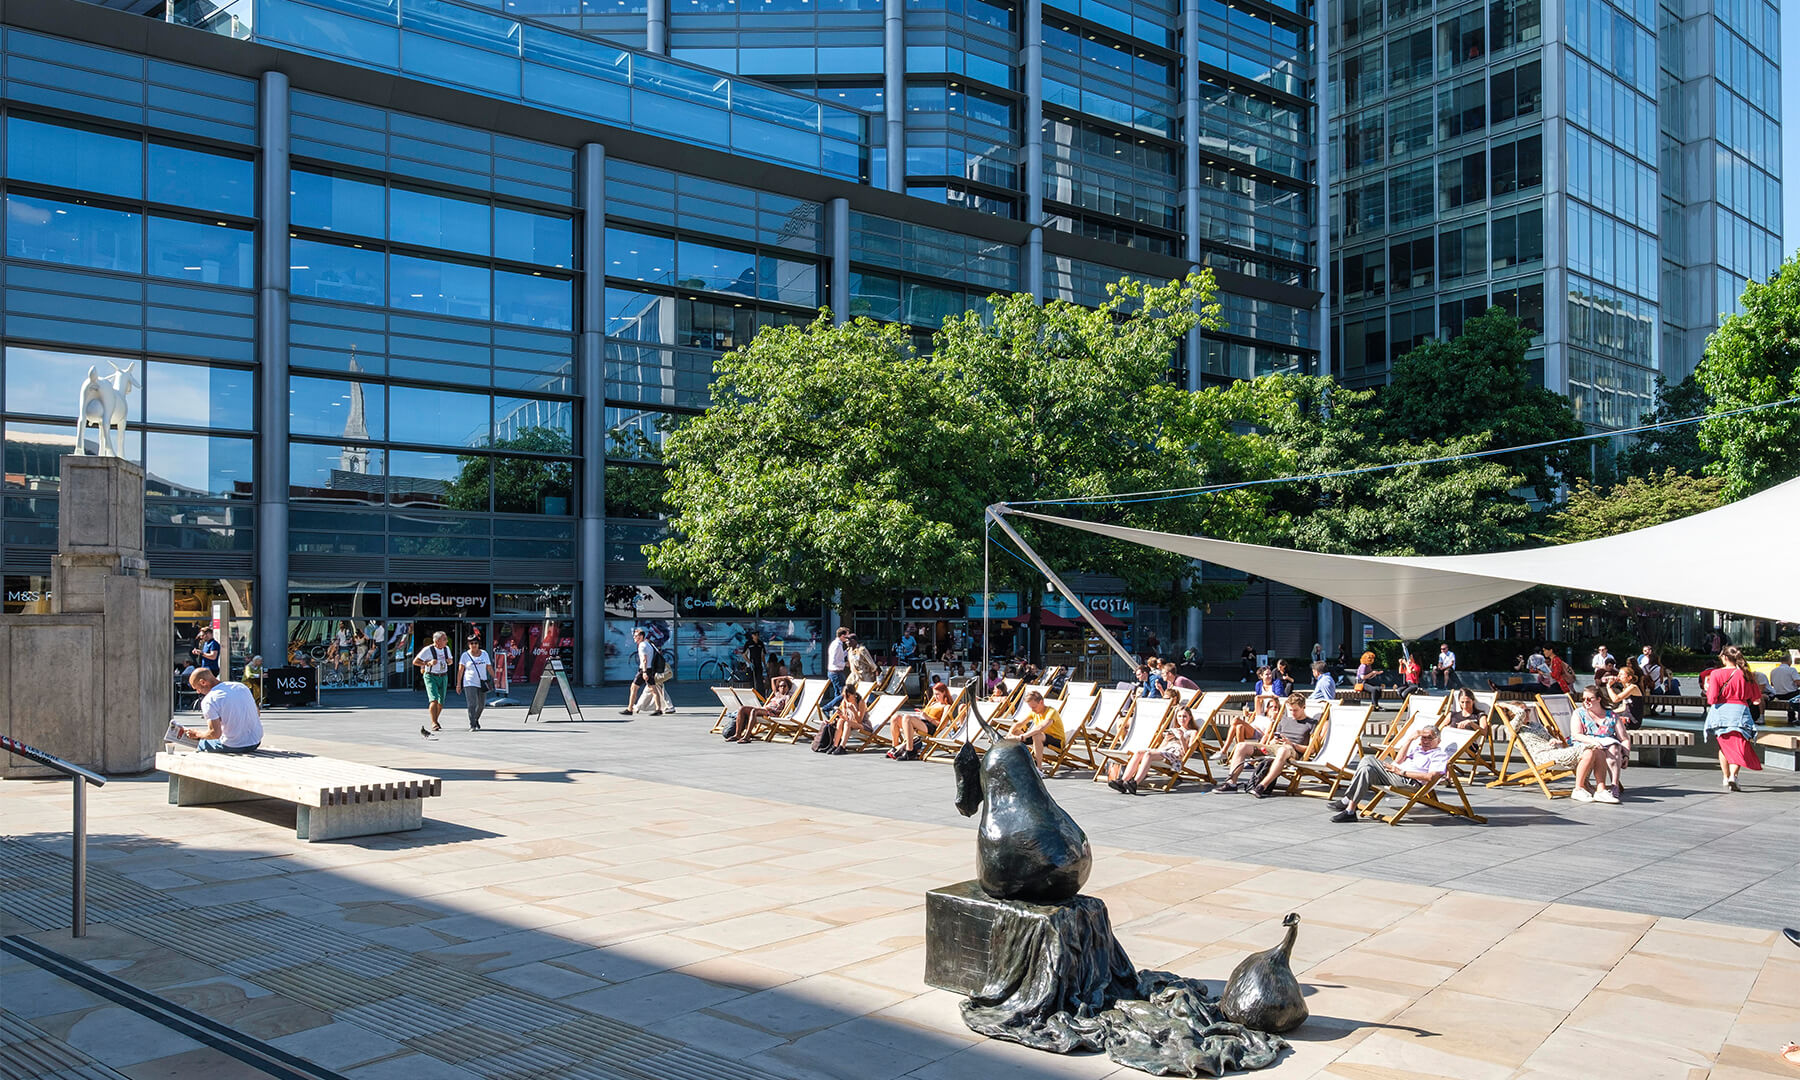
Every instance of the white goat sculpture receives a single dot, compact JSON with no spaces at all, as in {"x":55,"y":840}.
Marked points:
{"x":103,"y":405}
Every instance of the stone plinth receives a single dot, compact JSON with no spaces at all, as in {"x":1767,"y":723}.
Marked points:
{"x":91,"y":681}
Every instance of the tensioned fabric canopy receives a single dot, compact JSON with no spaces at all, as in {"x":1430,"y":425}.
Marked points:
{"x":1739,"y":558}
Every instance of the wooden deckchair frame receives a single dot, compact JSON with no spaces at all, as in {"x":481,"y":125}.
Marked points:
{"x":731,"y":699}
{"x":798,"y":719}
{"x":1558,"y":711}
{"x":1075,"y":716}
{"x":1075,"y":689}
{"x":1331,"y":764}
{"x":1427,"y":793}
{"x":1149,"y":716}
{"x":962,"y":726}
{"x":1410,"y":716}
{"x":1101,"y":727}
{"x":1206,"y":705}
{"x":1534,"y":772}
{"x":881,"y":714}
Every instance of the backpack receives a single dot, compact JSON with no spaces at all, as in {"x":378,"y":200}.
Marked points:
{"x":657,"y":664}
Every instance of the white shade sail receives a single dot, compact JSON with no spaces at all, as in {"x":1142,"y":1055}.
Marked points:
{"x":1741,"y":558}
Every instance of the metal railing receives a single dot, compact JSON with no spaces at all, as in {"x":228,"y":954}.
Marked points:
{"x":78,"y":832}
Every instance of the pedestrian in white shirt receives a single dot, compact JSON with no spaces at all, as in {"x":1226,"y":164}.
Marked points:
{"x":646,"y":687}
{"x":1445,"y":670}
{"x":233,"y":723}
{"x":475,"y":673}
{"x":1784,"y":686}
{"x":433,"y":663}
{"x":1602,"y":659}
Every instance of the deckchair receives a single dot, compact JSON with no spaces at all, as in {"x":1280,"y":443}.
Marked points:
{"x":881,"y":713}
{"x":962,"y":726}
{"x":895,"y":683}
{"x":1533,"y":771}
{"x":1207,"y":706}
{"x":1482,"y":758}
{"x":1148,"y":719}
{"x":1419,"y":709}
{"x":1017,"y":701}
{"x":1331,"y":763}
{"x":1558,"y":711}
{"x":732,"y":698}
{"x":802,"y":713}
{"x":1443,"y":792}
{"x":1075,"y":716}
{"x":1109,"y":706}
{"x":1073,"y":689}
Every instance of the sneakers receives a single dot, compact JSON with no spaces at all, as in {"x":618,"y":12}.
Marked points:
{"x":1343,"y":816}
{"x":627,"y":712}
{"x":1338,"y":804}
{"x":1582,"y":794}
{"x":1605,"y":796}
{"x":1227,"y":788}
{"x":1117,"y":785}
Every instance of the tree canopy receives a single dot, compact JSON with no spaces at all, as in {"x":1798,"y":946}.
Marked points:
{"x":843,"y":460}
{"x":1754,"y":359}
{"x":1676,"y":448}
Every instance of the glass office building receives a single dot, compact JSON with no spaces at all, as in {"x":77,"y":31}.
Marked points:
{"x":415,"y":289}
{"x":1608,"y":172}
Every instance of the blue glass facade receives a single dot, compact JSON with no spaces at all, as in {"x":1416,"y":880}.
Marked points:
{"x":1605,"y":169}
{"x":423,"y":307}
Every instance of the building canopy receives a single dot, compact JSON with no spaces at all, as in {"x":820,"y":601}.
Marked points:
{"x":1739,"y":558}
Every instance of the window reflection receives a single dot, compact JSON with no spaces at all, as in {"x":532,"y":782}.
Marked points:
{"x":194,"y":395}
{"x":336,"y":203}
{"x":324,"y":473}
{"x":196,"y":251}
{"x":456,"y":482}
{"x":74,"y":234}
{"x":438,"y":286}
{"x":197,"y":466}
{"x":438,"y":417}
{"x":342,"y":407}
{"x":534,"y":300}
{"x":79,"y":158}
{"x":351,"y":275}
{"x":33,"y":450}
{"x":526,"y":236}
{"x":183,"y":176}
{"x":438,"y":221}
{"x":45,"y":382}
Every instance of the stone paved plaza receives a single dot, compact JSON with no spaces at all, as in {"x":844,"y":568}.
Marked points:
{"x":640,"y":900}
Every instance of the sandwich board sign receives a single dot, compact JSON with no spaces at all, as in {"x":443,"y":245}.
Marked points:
{"x":553,"y":671}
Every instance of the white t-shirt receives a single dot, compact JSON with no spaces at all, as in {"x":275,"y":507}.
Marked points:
{"x":475,"y":667}
{"x":234,"y":707}
{"x":437,"y":659}
{"x":1601,"y":660}
{"x":1782,"y":679}
{"x":837,"y":658}
{"x":1446,"y":659}
{"x":646,"y":655}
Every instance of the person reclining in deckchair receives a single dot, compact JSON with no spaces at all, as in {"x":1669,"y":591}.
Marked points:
{"x":780,"y":691}
{"x":1293,"y":732}
{"x":1038,"y":724}
{"x":910,"y":729}
{"x":1177,"y":742}
{"x":1417,"y":759}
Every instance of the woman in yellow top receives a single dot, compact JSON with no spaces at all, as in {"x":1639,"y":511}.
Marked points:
{"x":909,"y":729}
{"x":1040,"y":725}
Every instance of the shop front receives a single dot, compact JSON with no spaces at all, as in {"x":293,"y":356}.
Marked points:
{"x":702,"y":637}
{"x":362,"y":635}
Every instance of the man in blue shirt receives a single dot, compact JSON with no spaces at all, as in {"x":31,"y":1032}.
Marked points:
{"x":1324,"y":686}
{"x":206,"y":650}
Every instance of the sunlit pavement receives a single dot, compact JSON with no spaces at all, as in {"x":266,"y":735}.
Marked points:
{"x":638,"y":899}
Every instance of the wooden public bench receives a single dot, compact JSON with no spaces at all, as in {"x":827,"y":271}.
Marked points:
{"x":1657,"y":746}
{"x":333,"y":798}
{"x":1779,"y":750}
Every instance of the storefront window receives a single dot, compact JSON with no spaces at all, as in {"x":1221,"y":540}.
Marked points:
{"x":630,"y":608}
{"x":541,"y":630}
{"x":337,"y":628}
{"x":28,"y":594}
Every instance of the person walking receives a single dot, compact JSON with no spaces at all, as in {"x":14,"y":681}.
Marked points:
{"x":837,"y":668}
{"x":1731,"y":692}
{"x":475,"y":674}
{"x":643,"y":685}
{"x":433,"y":663}
{"x":206,"y":650}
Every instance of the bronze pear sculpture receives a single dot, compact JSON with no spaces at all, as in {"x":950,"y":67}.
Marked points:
{"x":1027,"y":847}
{"x":1262,"y":992}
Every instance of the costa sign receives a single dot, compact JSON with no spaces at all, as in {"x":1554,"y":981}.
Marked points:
{"x":1111,"y":605}
{"x":920,"y":603}
{"x":419,"y":598}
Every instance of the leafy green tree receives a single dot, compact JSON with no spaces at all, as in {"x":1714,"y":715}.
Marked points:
{"x":841,"y":459}
{"x":1677,"y":448}
{"x":1317,"y":427}
{"x":1754,"y":359}
{"x":1635,"y":502}
{"x":1477,"y":391}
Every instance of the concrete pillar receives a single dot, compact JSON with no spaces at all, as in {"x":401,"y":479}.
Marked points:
{"x":1031,"y":53}
{"x":271,"y":599}
{"x":1326,"y":633}
{"x":591,"y":385}
{"x":837,"y":241}
{"x":656,"y":27}
{"x":893,"y":89}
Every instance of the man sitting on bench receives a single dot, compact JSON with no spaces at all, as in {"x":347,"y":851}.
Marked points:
{"x":233,"y":724}
{"x":1417,"y":759}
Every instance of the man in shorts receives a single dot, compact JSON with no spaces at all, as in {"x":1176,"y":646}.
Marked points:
{"x":434,"y":662}
{"x":1040,"y":725}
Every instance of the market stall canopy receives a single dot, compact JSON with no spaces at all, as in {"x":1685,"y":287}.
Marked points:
{"x":1738,"y":558}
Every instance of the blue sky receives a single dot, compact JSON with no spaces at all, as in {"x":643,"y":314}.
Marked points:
{"x":1790,"y":144}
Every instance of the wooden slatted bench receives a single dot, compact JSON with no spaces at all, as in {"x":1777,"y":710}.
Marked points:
{"x":334,"y":798}
{"x":1657,"y":746}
